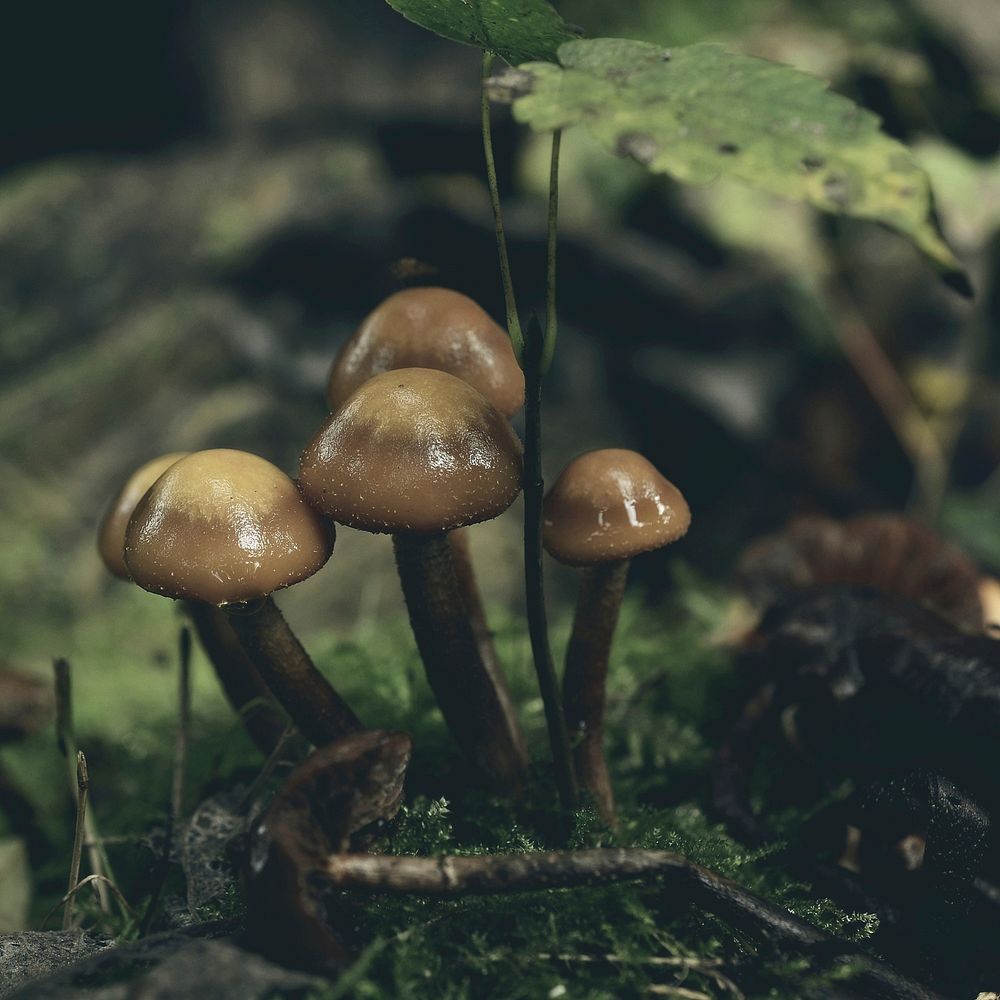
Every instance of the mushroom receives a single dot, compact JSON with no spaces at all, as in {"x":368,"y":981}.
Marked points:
{"x":228,"y":528}
{"x":430,"y":328}
{"x":988,"y":592}
{"x":246,"y":692}
{"x":417,"y":453}
{"x":445,"y":330}
{"x":606,"y":507}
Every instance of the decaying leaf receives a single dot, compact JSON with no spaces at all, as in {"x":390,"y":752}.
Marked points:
{"x":889,"y":552}
{"x":700,"y":112}
{"x":338,"y":791}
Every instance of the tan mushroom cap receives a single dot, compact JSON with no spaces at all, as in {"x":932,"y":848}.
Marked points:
{"x":413,"y":450}
{"x":111,"y":533}
{"x":611,"y":504}
{"x":430,"y":328}
{"x":222,"y":527}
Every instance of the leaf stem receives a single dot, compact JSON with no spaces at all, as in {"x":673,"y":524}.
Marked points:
{"x":513,"y":323}
{"x":534,"y":491}
{"x":551,"y":326}
{"x":530,"y":354}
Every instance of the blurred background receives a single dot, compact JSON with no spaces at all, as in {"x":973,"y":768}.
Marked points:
{"x":201,"y":199}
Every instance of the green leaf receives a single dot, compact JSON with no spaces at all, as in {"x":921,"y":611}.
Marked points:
{"x":701,"y":112}
{"x":518,"y":30}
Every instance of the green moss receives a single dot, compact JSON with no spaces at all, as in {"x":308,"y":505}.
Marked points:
{"x":666,"y":689}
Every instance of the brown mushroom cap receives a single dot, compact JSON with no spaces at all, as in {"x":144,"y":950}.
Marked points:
{"x":611,"y":504}
{"x":413,"y":450}
{"x":430,"y":328}
{"x":111,"y":533}
{"x":222,"y":527}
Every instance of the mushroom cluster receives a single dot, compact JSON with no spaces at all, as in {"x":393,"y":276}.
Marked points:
{"x":418,"y":445}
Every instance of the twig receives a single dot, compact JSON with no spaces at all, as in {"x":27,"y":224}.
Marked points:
{"x":658,"y":989}
{"x":459,"y":875}
{"x":766,"y":923}
{"x":66,"y":736}
{"x":183,"y":725}
{"x":693,"y":963}
{"x":83,"y":786}
{"x":708,"y":967}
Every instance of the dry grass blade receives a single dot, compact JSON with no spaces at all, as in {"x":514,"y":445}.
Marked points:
{"x":66,"y":737}
{"x":83,"y":787}
{"x":97,"y":880}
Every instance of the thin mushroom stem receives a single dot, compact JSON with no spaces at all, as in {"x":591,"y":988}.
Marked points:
{"x":468,"y":695}
{"x":601,"y":589}
{"x":285,"y":667}
{"x":249,"y":696}
{"x":461,"y":558}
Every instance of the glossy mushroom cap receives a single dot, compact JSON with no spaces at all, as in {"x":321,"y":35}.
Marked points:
{"x":223,"y":527}
{"x":611,"y":504}
{"x":413,"y":450}
{"x":430,"y":328}
{"x":111,"y":533}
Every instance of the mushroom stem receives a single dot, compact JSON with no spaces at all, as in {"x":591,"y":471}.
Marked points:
{"x":461,"y":558}
{"x":320,"y":714}
{"x":601,"y":589}
{"x":246,"y":692}
{"x":467,"y":693}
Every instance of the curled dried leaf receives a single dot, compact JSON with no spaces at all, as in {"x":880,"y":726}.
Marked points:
{"x":890,"y":552}
{"x":339,"y":792}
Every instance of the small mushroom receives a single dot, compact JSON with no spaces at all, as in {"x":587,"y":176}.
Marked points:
{"x":430,"y":328}
{"x":988,"y":592}
{"x":228,"y":528}
{"x":445,"y":330}
{"x":239,"y":679}
{"x":111,"y":533}
{"x":606,"y":507}
{"x":417,"y":453}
